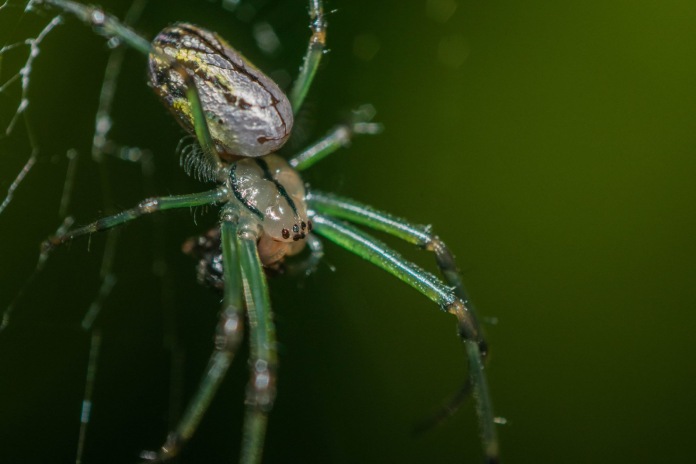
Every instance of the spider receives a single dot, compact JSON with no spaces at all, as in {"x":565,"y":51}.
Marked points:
{"x":240,"y":118}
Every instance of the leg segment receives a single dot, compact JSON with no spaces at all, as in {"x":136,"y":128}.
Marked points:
{"x":88,"y":324}
{"x":40,"y":263}
{"x":94,"y":347}
{"x":145,"y":207}
{"x":377,"y":253}
{"x":484,"y":405}
{"x":103,"y":23}
{"x":262,"y":364}
{"x":338,"y":137}
{"x":317,"y":43}
{"x":419,"y":235}
{"x":212,"y":164}
{"x":381,"y":255}
{"x":227,"y":338}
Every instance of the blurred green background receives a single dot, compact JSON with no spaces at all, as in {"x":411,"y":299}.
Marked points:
{"x":550,"y":144}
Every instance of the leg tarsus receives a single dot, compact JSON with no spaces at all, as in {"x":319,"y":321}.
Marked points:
{"x":90,"y":378}
{"x":227,"y":340}
{"x":484,"y":406}
{"x":448,"y":409}
{"x":40,"y":263}
{"x":469,"y":332}
{"x":315,"y":49}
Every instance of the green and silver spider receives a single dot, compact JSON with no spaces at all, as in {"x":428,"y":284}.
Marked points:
{"x":239,"y":118}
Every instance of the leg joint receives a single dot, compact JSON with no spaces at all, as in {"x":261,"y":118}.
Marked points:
{"x":261,"y":390}
{"x":445,"y":258}
{"x":229,"y":331}
{"x":468,"y":327}
{"x":148,"y":206}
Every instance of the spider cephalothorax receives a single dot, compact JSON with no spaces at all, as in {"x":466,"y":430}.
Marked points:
{"x":275,"y":195}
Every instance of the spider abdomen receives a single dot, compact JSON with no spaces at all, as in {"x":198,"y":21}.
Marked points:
{"x":246,"y":112}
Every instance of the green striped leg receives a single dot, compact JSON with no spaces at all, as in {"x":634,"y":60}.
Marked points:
{"x":338,"y":137}
{"x":379,"y":254}
{"x":228,"y":335}
{"x":310,"y":64}
{"x":261,"y":389}
{"x":148,"y":206}
{"x":421,"y":236}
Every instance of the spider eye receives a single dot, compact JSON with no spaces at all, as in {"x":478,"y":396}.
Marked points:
{"x":274,"y":193}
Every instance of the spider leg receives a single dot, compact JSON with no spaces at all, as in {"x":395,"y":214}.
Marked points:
{"x":261,"y":389}
{"x":148,"y":206}
{"x":419,"y":235}
{"x":416,"y":234}
{"x":317,"y":44}
{"x":103,"y":23}
{"x":228,"y":335}
{"x":90,"y":378}
{"x":6,"y":315}
{"x":379,"y":254}
{"x":338,"y":137}
{"x":200,"y":125}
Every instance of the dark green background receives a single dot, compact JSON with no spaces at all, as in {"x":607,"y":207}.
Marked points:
{"x":550,"y":143}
